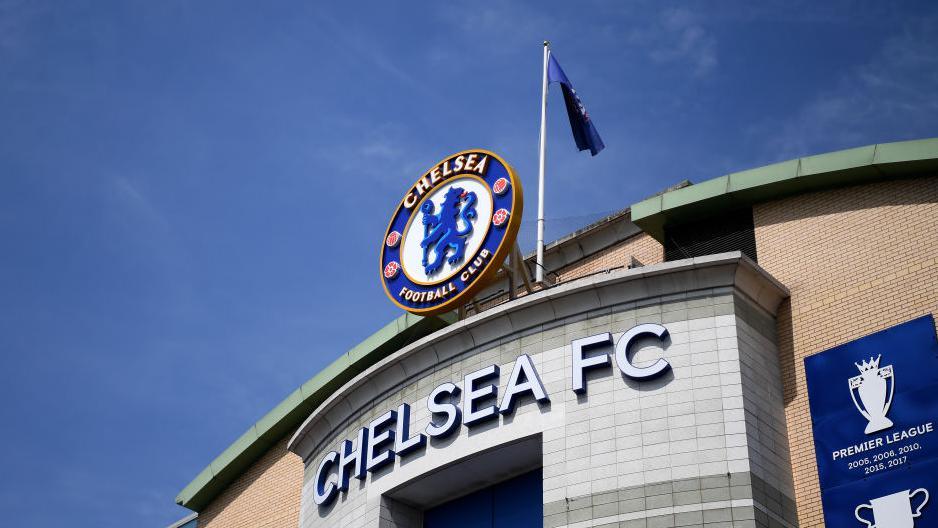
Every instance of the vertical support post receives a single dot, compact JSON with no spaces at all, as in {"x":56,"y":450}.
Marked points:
{"x":510,"y":271}
{"x":522,"y":269}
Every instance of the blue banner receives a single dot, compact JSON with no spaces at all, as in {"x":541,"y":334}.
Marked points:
{"x":874,"y":411}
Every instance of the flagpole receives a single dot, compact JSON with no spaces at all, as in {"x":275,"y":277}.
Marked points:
{"x":539,"y":271}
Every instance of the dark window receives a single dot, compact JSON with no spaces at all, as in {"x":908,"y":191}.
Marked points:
{"x":515,"y":503}
{"x":730,"y":231}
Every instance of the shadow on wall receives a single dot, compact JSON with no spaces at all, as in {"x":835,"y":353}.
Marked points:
{"x":882,"y":194}
{"x":786,"y":352}
{"x":832,"y":205}
{"x":651,"y":385}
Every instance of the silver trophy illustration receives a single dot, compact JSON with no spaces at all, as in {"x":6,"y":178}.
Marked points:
{"x":871,"y":385}
{"x":893,"y":511}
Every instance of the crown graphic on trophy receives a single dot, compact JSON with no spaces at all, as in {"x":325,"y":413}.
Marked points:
{"x":875,"y":392}
{"x":872,"y":364}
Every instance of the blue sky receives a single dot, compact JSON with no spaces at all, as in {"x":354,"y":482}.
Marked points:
{"x":193,"y":193}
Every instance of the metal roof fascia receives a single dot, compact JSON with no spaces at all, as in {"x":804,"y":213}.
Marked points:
{"x":290,"y":412}
{"x":824,"y":171}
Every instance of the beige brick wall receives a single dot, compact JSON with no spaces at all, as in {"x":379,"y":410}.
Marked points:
{"x":644,"y":248}
{"x":857,"y":260}
{"x":266,"y":496}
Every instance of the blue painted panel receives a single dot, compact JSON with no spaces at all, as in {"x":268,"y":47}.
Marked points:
{"x":519,"y":502}
{"x":874,"y":414}
{"x":472,"y":511}
{"x":515,"y":503}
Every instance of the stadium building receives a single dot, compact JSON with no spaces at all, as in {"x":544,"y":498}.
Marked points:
{"x":657,"y":378}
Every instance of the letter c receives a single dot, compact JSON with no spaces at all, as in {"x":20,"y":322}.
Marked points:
{"x":409,"y":200}
{"x":325,"y":488}
{"x":625,"y":343}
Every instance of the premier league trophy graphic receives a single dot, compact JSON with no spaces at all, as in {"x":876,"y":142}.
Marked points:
{"x":894,"y":510}
{"x":876,"y":398}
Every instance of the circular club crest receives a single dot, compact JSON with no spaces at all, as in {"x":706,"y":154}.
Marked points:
{"x":451,"y":232}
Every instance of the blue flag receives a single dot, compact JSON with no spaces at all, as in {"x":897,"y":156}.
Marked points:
{"x":584,"y":133}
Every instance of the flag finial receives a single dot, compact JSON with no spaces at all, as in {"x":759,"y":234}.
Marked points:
{"x":546,"y":43}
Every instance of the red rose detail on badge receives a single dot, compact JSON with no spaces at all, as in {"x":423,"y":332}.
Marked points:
{"x":393,"y":239}
{"x":391,"y":270}
{"x":500,"y":186}
{"x":500,"y":217}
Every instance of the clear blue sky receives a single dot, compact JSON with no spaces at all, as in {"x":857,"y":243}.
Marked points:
{"x":193,"y":193}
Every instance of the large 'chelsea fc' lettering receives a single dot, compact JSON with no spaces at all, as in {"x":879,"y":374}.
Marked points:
{"x":474,"y":403}
{"x":580,"y":363}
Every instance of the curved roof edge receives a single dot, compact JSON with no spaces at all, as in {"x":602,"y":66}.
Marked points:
{"x":883,"y":161}
{"x":291,"y":412}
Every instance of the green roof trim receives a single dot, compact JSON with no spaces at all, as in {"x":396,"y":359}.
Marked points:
{"x":291,"y":412}
{"x":868,"y":164}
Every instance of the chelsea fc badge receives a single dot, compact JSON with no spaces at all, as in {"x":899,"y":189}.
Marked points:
{"x":451,"y":232}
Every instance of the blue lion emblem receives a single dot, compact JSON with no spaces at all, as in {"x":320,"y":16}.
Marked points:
{"x":442,"y":230}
